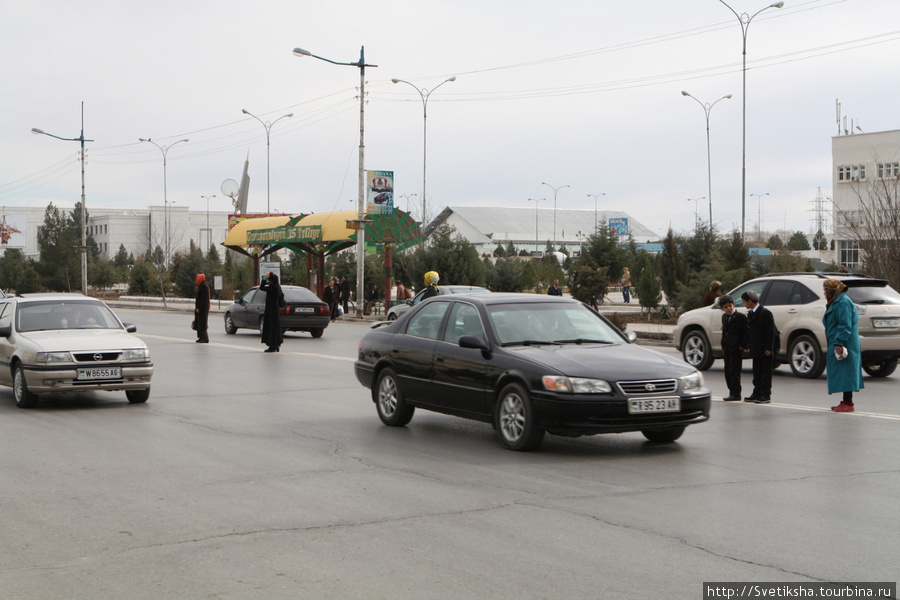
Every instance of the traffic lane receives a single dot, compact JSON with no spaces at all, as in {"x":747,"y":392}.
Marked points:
{"x":308,"y":491}
{"x":879,"y":397}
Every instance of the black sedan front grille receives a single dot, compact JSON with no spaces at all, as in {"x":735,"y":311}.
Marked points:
{"x":94,"y":357}
{"x":648,"y":386}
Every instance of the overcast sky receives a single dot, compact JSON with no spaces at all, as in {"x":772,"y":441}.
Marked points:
{"x":581,"y":93}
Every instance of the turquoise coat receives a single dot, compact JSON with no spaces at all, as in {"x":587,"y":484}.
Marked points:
{"x":841,"y":328}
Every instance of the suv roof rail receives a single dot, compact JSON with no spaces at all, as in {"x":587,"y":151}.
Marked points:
{"x":819,"y":274}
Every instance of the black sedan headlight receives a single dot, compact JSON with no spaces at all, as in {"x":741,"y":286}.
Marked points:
{"x":692,"y":383}
{"x":575,"y":385}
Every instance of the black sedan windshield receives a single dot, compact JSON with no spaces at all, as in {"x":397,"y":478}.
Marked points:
{"x":549,"y":323}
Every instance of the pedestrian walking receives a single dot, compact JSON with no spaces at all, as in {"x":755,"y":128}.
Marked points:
{"x":626,"y":285}
{"x":330,"y":297}
{"x":201,"y":309}
{"x":761,"y":342}
{"x":735,"y":331}
{"x":345,"y":294}
{"x":844,"y":361}
{"x":710,"y":297}
{"x":271,"y":329}
{"x":554,"y":290}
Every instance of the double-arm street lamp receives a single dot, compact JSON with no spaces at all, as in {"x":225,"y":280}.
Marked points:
{"x":707,"y":107}
{"x":759,"y":214}
{"x":268,"y":127}
{"x":596,"y":197}
{"x":165,"y":152}
{"x":555,"y":191}
{"x":208,"y":230}
{"x":424,"y":94}
{"x":84,"y":248}
{"x":407,"y":197}
{"x":696,"y":211}
{"x":537,"y":240}
{"x":361,"y":202}
{"x":744,"y":19}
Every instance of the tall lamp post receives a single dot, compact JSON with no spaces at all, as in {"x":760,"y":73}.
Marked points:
{"x":165,"y":152}
{"x":596,"y":197}
{"x":408,"y":196}
{"x":84,"y":248}
{"x":759,"y":215}
{"x":424,"y":94}
{"x":744,"y":20}
{"x":537,"y":240}
{"x":706,"y":109}
{"x":268,"y":127}
{"x":361,"y":202}
{"x":208,"y":229}
{"x":696,"y":211}
{"x":555,"y":191}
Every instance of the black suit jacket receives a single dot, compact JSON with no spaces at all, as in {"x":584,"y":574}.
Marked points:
{"x":762,"y":331}
{"x":735,"y":331}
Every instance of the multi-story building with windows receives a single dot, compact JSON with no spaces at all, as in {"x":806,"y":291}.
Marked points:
{"x":866,"y":167}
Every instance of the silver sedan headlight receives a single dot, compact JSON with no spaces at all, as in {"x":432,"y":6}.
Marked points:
{"x":45,"y":358}
{"x":693,"y":382}
{"x":575,"y":385}
{"x":135,"y":354}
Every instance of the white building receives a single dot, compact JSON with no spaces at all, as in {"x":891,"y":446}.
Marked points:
{"x":860,"y":161}
{"x":136,"y":230}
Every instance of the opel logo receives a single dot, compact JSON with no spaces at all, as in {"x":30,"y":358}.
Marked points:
{"x":650,"y":387}
{"x":98,"y":356}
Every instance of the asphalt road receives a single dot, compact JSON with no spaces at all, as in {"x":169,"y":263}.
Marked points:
{"x":253,"y":475}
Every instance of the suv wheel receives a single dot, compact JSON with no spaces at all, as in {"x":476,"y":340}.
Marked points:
{"x":806,"y":358}
{"x":696,"y":350}
{"x":880,"y":369}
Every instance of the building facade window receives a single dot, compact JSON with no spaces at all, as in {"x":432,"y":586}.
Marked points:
{"x":849,"y":218}
{"x":849,"y":254}
{"x":889,"y":170}
{"x":851,"y":173}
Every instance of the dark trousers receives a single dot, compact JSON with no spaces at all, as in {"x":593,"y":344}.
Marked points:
{"x":762,"y":376}
{"x":734,"y":362}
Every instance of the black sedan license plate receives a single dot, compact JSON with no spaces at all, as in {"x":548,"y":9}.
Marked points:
{"x":304,"y":309}
{"x":654,"y":405}
{"x":100,"y":373}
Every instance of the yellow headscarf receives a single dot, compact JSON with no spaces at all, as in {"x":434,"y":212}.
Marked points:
{"x":432,"y":278}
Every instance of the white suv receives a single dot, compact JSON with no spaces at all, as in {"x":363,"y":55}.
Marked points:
{"x":798,"y":303}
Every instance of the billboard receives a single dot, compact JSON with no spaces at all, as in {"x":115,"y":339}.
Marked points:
{"x":380,"y":192}
{"x":13,"y":230}
{"x":619,"y":226}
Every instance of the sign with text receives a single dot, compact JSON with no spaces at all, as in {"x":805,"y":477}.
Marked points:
{"x":619,"y":226}
{"x":380,"y":192}
{"x":285,"y":235}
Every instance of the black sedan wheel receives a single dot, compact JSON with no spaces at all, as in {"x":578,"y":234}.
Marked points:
{"x":663,"y":436}
{"x":514,"y":420}
{"x":697,"y":351}
{"x":24,"y":398}
{"x":138,"y":396}
{"x":317,"y":332}
{"x":392,"y":408}
{"x":230,"y":327}
{"x":881,"y":369}
{"x":805,"y":357}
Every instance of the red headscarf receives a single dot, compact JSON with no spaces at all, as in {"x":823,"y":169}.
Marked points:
{"x":200,"y":278}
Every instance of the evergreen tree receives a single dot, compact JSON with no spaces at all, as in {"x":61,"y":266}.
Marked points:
{"x":649,"y":293}
{"x":798,"y":242}
{"x":507,"y":275}
{"x":672,"y":267}
{"x":60,"y":258}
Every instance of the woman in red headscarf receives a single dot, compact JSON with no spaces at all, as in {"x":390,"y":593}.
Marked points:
{"x":201,"y":310}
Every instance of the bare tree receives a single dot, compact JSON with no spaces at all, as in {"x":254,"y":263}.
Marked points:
{"x":874,"y":224}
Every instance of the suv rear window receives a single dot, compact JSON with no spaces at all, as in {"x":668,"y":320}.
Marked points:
{"x":873,"y":295}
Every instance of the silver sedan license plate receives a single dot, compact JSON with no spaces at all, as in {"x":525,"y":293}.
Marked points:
{"x":100,"y":373}
{"x":654,"y":405}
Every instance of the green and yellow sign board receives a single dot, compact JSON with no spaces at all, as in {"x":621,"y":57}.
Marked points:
{"x":285,"y":235}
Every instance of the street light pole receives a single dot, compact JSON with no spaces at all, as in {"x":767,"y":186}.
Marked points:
{"x":84,"y":248}
{"x":744,"y":20}
{"x":537,"y":240}
{"x":424,"y":94}
{"x":407,"y":196}
{"x":759,"y":215}
{"x":165,"y":152}
{"x":596,"y":197}
{"x":208,"y":230}
{"x":268,"y":127}
{"x":361,"y":202}
{"x":555,"y":191}
{"x":696,"y":212}
{"x":706,"y":109}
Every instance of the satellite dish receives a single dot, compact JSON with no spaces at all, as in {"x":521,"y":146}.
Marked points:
{"x":230,"y":188}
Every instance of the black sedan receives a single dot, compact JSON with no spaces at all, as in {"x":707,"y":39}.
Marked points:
{"x":304,"y":311}
{"x":529,"y":364}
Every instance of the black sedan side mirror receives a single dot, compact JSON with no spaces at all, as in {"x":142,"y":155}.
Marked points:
{"x":473,"y":341}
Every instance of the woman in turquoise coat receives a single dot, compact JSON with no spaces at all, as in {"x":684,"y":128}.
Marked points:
{"x":842,"y":333}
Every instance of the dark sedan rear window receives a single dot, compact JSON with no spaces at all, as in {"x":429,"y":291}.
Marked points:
{"x":299,"y":294}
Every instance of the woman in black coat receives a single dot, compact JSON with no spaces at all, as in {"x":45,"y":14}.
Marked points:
{"x":271,"y":329}
{"x":201,"y":309}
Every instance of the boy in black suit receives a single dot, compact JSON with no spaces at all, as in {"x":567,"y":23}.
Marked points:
{"x":762,"y":347}
{"x":735,"y":329}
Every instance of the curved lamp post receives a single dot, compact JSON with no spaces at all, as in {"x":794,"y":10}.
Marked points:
{"x":696,"y":212}
{"x":361,"y":201}
{"x":759,"y":215}
{"x":555,"y":191}
{"x":268,"y":127}
{"x":408,"y":196}
{"x":706,"y":109}
{"x":84,"y":248}
{"x":165,"y":152}
{"x":424,"y":94}
{"x":744,"y":19}
{"x":537,"y":240}
{"x":596,"y":197}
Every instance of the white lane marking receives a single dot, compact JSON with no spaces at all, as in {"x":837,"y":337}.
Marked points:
{"x":246,"y":348}
{"x":858,"y":413}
